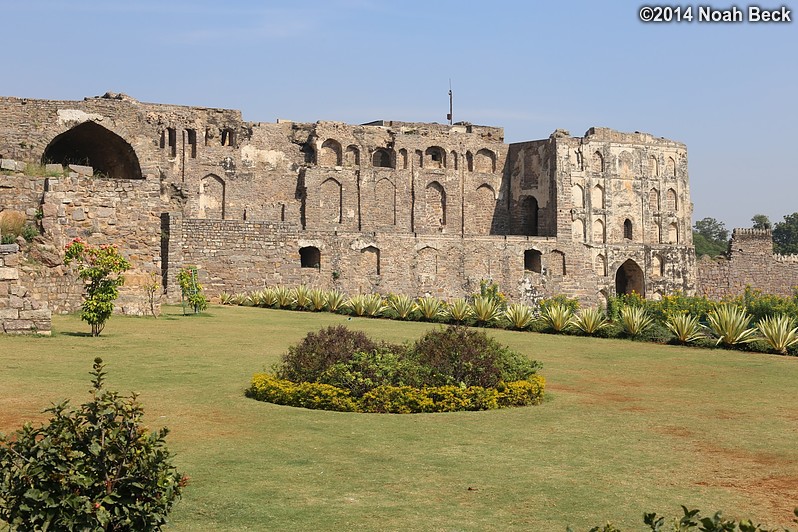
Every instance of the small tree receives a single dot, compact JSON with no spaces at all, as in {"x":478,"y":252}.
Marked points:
{"x":191,"y":290}
{"x":95,"y":468}
{"x":152,"y":294}
{"x":101,"y":269}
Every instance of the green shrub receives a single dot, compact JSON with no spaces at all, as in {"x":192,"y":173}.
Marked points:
{"x":458,"y":355}
{"x":306,"y":361}
{"x":678,"y":303}
{"x":94,"y":468}
{"x":191,"y":290}
{"x":561,"y":300}
{"x":760,"y":305}
{"x":311,"y":395}
{"x":396,"y":400}
{"x":365,"y":371}
{"x":101,"y":269}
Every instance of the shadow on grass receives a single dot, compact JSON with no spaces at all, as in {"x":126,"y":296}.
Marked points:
{"x":75,"y":333}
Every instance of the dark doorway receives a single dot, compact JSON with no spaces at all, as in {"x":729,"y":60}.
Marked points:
{"x":91,"y":144}
{"x":532,"y":262}
{"x":629,"y":278}
{"x":310,"y":257}
{"x":530,"y":212}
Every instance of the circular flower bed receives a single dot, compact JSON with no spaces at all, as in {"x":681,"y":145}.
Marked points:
{"x":446,"y":370}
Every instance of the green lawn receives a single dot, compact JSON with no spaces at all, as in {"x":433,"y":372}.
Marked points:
{"x":626,"y":427}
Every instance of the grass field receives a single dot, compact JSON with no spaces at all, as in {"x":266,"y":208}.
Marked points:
{"x":626,"y":427}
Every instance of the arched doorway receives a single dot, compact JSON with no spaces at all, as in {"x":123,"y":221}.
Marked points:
{"x":91,"y":144}
{"x":629,"y":278}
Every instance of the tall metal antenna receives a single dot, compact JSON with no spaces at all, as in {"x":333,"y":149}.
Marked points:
{"x":449,"y":116}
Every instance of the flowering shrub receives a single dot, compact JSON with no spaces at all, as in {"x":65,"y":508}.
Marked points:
{"x":101,"y":269}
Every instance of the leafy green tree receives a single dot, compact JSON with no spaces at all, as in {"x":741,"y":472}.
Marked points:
{"x":94,"y":468}
{"x":191,"y":290}
{"x":101,"y":268}
{"x":761,"y":221}
{"x":710,"y":237}
{"x":785,"y":235}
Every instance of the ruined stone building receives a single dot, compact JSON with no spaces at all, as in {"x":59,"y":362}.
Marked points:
{"x":384,"y":207}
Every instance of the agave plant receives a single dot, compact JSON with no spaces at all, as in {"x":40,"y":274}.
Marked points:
{"x":590,"y":320}
{"x":357,"y":304}
{"x":519,"y":316}
{"x":250,"y":299}
{"x":459,"y":311}
{"x":284,"y":297}
{"x":635,"y":320}
{"x":226,"y":298}
{"x":778,"y":331}
{"x":375,"y":305}
{"x":238,"y":299}
{"x":335,"y":301}
{"x":267,"y":297}
{"x":302,"y":297}
{"x":557,"y":316}
{"x":318,"y":299}
{"x":685,"y":327}
{"x":731,"y":325}
{"x":403,"y":306}
{"x":487,"y":309}
{"x":430,"y":307}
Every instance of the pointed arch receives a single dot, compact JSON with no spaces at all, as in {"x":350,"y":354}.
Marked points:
{"x":91,"y":144}
{"x":530,"y":213}
{"x":653,"y":200}
{"x":352,"y":156}
{"x":628,"y":234}
{"x":578,"y":229}
{"x":479,"y":212}
{"x":330,"y":202}
{"x":673,"y":233}
{"x":629,"y":278}
{"x":597,"y":162}
{"x":211,"y":197}
{"x":435,"y":205}
{"x":657,"y":266}
{"x":485,"y":161}
{"x":370,"y":260}
{"x":599,"y":231}
{"x":597,"y":197}
{"x":330,"y":153}
{"x":434,"y":157}
{"x":469,"y":161}
{"x":453,"y":160}
{"x":403,"y":159}
{"x":670,"y":167}
{"x":578,"y":196}
{"x":382,"y":158}
{"x":557,"y":263}
{"x":653,"y":166}
{"x":671,"y":201}
{"x":600,"y":265}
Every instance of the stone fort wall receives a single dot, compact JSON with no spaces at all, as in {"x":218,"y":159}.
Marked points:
{"x":750,"y":262}
{"x":386,"y":206}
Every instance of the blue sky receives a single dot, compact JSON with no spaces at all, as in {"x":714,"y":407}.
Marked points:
{"x":726,"y":90}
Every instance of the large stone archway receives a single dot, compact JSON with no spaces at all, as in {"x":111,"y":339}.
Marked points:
{"x":90,"y":144}
{"x":629,"y":278}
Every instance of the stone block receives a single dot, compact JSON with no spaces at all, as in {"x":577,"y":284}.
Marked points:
{"x":42,"y":314}
{"x":53,"y":168}
{"x":8,"y":164}
{"x":12,"y":326}
{"x":11,"y":260}
{"x":8,"y":248}
{"x":9,"y":314}
{"x":8,"y":274}
{"x":82,"y":170}
{"x":78,"y":214}
{"x":20,"y":166}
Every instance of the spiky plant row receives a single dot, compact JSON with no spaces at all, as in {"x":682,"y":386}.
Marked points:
{"x":727,"y":323}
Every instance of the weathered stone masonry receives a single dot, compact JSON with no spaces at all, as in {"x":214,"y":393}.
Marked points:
{"x":386,"y":206}
{"x":20,"y":312}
